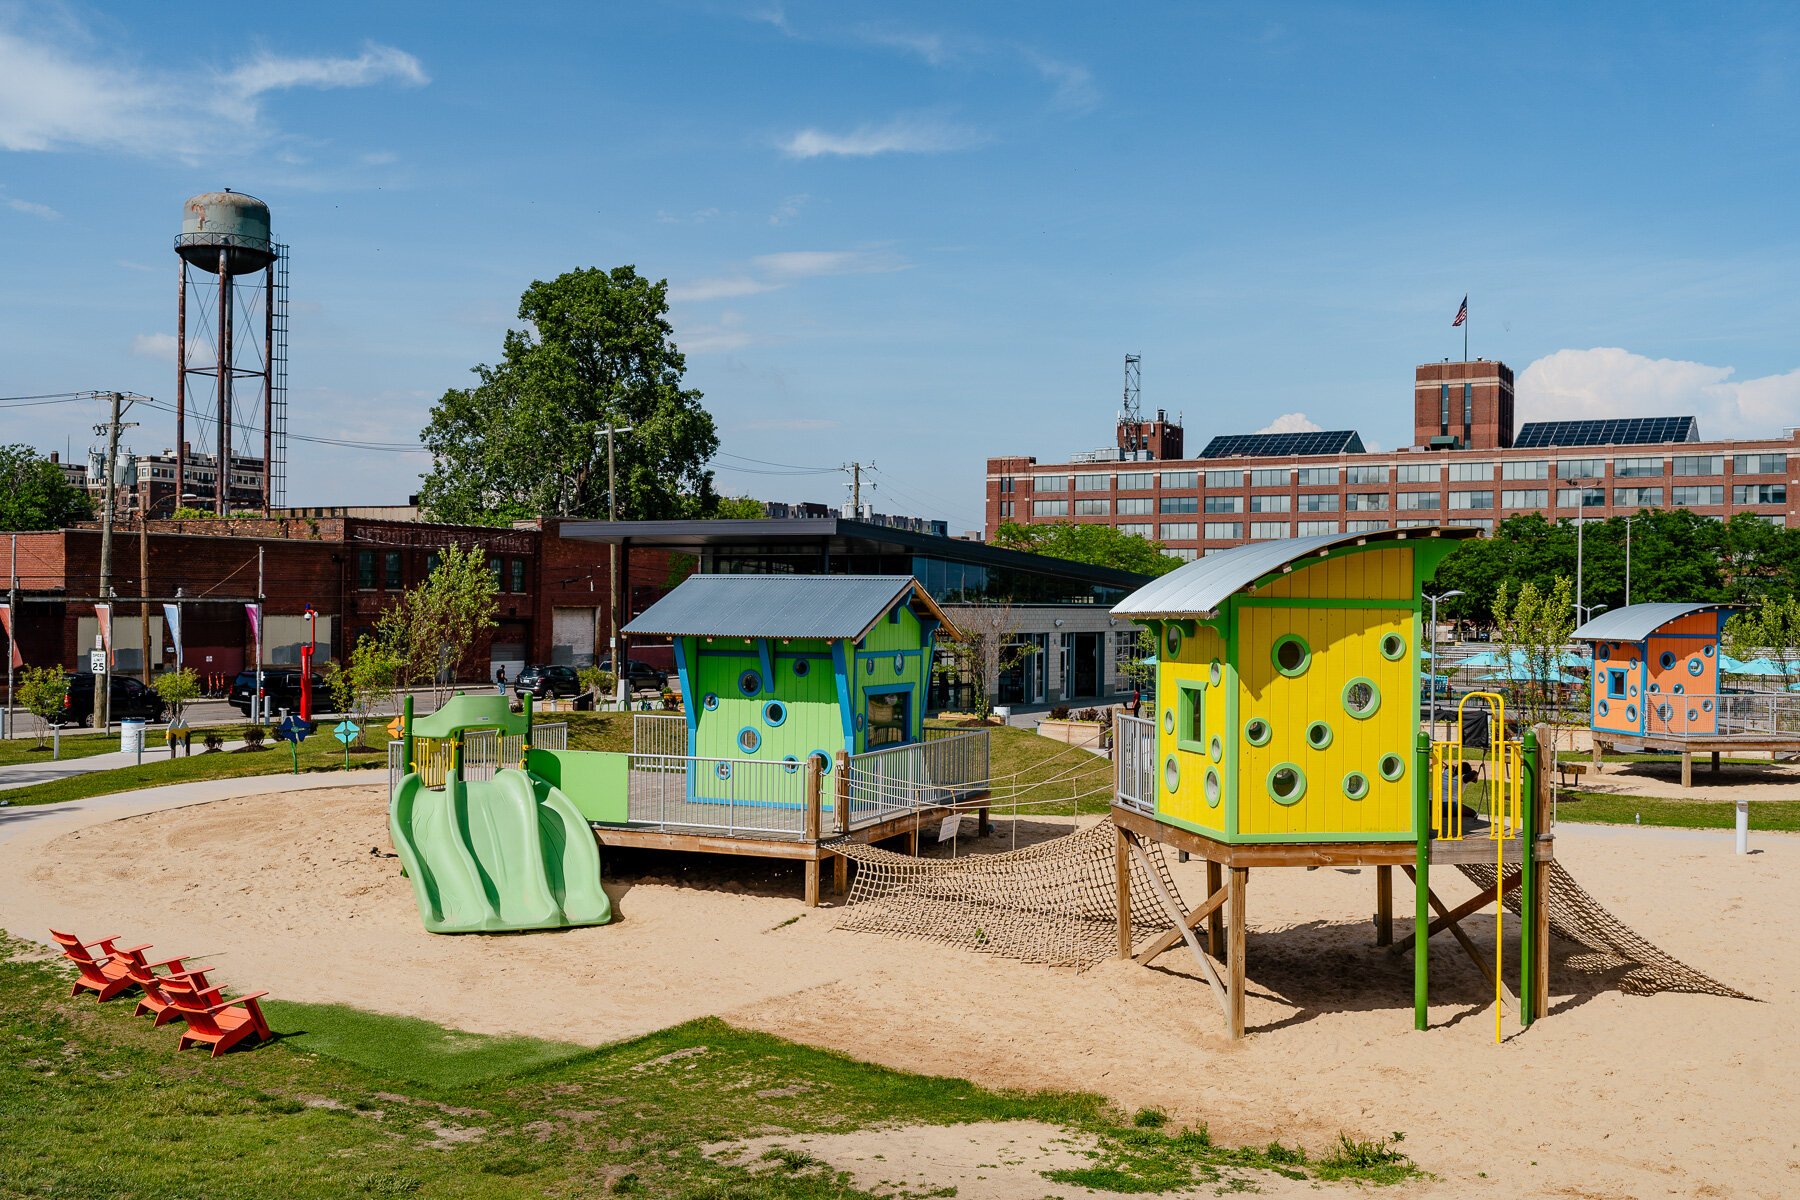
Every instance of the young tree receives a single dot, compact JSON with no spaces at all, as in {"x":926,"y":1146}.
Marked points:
{"x":430,"y":629}
{"x":1534,"y":628}
{"x":42,"y":691}
{"x":986,"y":650}
{"x":1772,"y":628}
{"x":176,"y":689}
{"x":1098,"y":545}
{"x":34,"y":494}
{"x":529,"y":439}
{"x":739,"y":508}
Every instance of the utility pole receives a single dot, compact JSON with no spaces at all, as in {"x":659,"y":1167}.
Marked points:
{"x":103,"y":687}
{"x":613,"y":592}
{"x":262,"y":703}
{"x":144,"y":586}
{"x":855,"y":485}
{"x":12,"y":633}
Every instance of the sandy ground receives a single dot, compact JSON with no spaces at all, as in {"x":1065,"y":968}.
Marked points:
{"x":1751,"y":781}
{"x":1611,"y":1095}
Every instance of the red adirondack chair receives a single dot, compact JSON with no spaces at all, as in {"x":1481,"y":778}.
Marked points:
{"x":212,"y":1020}
{"x":105,"y":976}
{"x":156,"y":999}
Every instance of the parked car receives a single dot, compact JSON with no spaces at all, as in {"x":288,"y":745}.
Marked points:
{"x":128,"y":700}
{"x":280,"y":684}
{"x":640,"y":675}
{"x":541,"y":682}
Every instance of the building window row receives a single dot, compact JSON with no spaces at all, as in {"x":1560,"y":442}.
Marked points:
{"x":1638,"y":497}
{"x":1264,"y":531}
{"x":1224,"y":504}
{"x":1092,"y":483}
{"x":1464,"y":500}
{"x":1759,"y":493}
{"x":1136,"y":506}
{"x":1412,"y":501}
{"x":1271,"y":504}
{"x":1698,"y":464}
{"x":1582,"y":497}
{"x":1224,"y":531}
{"x":1696,"y":496}
{"x":1180,"y":531}
{"x":1049,"y":508}
{"x":1319,"y":502}
{"x":1092,"y":508}
{"x":1178,"y":504}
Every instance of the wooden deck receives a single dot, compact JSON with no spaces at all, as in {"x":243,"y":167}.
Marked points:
{"x":1688,"y":745}
{"x":1476,"y":848}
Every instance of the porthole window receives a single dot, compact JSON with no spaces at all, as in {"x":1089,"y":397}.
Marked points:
{"x":710,"y":701}
{"x":1634,"y":664}
{"x":868,"y":666}
{"x":1168,"y":720}
{"x":1392,"y":767}
{"x":1216,"y":750}
{"x":790,"y":764}
{"x":1681,"y":689}
{"x":1291,"y":655}
{"x":1257,"y":731}
{"x":1361,"y":698}
{"x":1214,"y":673}
{"x":1706,"y":706}
{"x":1213,"y":789}
{"x":1318,"y":735}
{"x":1708,"y":652}
{"x":823,"y":759}
{"x":1356,"y":785}
{"x":1693,"y":714}
{"x":801,"y":666}
{"x":1656,"y":687}
{"x":1631,"y":712}
{"x":1173,"y":637}
{"x":774,"y":713}
{"x":1667,"y":659}
{"x":1287,"y":783}
{"x":1393,"y":647}
{"x":1632,"y":691}
{"x":750,"y":683}
{"x":722,"y":770}
{"x":749,"y":740}
{"x":860,"y":722}
{"x":1604,"y":708}
{"x":1696,"y":666}
{"x":899,"y":664}
{"x":1171,"y":775}
{"x":1664,"y":712}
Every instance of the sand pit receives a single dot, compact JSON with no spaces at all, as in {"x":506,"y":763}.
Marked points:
{"x":1611,"y":1095}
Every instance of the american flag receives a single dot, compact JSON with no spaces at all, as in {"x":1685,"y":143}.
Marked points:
{"x":1462,"y":314}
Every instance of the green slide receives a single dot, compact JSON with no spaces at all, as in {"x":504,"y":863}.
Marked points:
{"x":488,"y":857}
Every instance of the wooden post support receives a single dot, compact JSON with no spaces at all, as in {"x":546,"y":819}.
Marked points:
{"x":1215,"y":924}
{"x":1384,"y":906}
{"x":812,"y":883}
{"x":1122,"y":875}
{"x":840,"y":874}
{"x":1687,"y":767}
{"x":1240,"y":877}
{"x":1422,"y":883}
{"x":1540,"y":911}
{"x":1598,"y":762}
{"x":984,"y":823}
{"x":1715,"y":762}
{"x":1531,"y":763}
{"x":814,"y":788}
{"x":840,"y":793}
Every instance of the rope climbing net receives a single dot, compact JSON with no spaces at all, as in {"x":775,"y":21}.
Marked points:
{"x":1053,"y":903}
{"x":1609,"y":943}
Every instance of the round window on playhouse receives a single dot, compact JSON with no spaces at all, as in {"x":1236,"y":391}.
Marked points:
{"x":1696,"y":666}
{"x":1362,"y":699}
{"x":1681,"y":689}
{"x":1666,"y":659}
{"x":749,"y":740}
{"x":1214,"y":673}
{"x":1631,"y":712}
{"x":1168,"y":720}
{"x":1171,"y":775}
{"x":899,"y":664}
{"x":722,"y":770}
{"x":790,"y":764}
{"x":1708,"y":652}
{"x":1287,"y":783}
{"x":750,"y":683}
{"x":774,"y":713}
{"x":823,"y":759}
{"x":1393,"y":647}
{"x":1604,"y":708}
{"x":1318,"y":735}
{"x":1664,"y":712}
{"x":1290,"y":654}
{"x":1706,"y":706}
{"x":710,"y":701}
{"x":1257,"y":731}
{"x":1216,"y":750}
{"x":801,"y":666}
{"x":1693,"y":714}
{"x":1173,"y":637}
{"x":1213,"y":789}
{"x":1356,"y":785}
{"x":1392,"y":767}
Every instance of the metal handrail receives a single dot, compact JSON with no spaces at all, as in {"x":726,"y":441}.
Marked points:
{"x":1134,"y":764}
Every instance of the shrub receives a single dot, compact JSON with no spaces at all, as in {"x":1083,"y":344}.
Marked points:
{"x":1060,"y":713}
{"x":176,"y":688}
{"x":41,"y":691}
{"x":213,"y":743}
{"x":254,"y":736}
{"x":1090,"y":714}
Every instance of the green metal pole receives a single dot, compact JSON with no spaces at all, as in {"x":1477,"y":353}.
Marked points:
{"x":1422,"y":883}
{"x":1528,"y":880}
{"x":406,"y":739}
{"x":527,"y":720}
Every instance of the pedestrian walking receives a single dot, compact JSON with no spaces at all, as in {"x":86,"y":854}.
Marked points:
{"x":500,"y":680}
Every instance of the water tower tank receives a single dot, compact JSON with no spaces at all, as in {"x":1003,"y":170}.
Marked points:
{"x":228,"y":221}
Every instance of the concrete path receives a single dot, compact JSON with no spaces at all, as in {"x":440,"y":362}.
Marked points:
{"x":48,"y":769}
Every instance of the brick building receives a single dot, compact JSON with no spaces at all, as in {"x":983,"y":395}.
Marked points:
{"x":1467,"y":465}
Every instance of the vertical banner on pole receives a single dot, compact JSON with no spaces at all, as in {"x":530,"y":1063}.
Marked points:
{"x":172,"y":619}
{"x":6,"y":623}
{"x":103,"y":614}
{"x":254,"y":612}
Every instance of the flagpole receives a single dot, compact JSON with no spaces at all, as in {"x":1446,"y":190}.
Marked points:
{"x":1465,"y":329}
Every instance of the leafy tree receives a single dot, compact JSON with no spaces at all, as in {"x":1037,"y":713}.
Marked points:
{"x":1772,"y":627}
{"x":985,"y":651}
{"x":429,"y":630}
{"x":529,"y":439}
{"x":42,"y":691}
{"x":34,"y":494}
{"x":359,"y":685}
{"x":740,"y":508}
{"x":1534,"y":627}
{"x":176,"y":688}
{"x":1097,"y":545}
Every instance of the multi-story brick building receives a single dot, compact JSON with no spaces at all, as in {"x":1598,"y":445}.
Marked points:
{"x":1467,"y":465}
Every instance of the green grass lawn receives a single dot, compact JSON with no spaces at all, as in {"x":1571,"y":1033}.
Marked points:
{"x":1606,"y":808}
{"x":14,"y":751}
{"x":96,"y":1103}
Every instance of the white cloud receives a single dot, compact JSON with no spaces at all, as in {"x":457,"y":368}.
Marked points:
{"x":159,"y":347}
{"x":727,"y":334}
{"x":808,"y":264}
{"x":41,"y":211}
{"x":929,"y":46}
{"x":1606,"y":381}
{"x":723,"y":288}
{"x":788,"y":209}
{"x":903,"y":135}
{"x":1073,"y":84}
{"x":55,"y":99}
{"x":1293,"y":422}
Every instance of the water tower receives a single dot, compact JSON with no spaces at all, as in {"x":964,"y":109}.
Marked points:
{"x":232,"y":359}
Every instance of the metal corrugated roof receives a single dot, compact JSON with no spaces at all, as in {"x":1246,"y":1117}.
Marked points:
{"x":834,"y":607}
{"x":1201,"y":586}
{"x":1635,"y":622}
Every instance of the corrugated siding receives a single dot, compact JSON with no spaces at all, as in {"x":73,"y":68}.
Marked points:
{"x":1193,"y":664}
{"x":1691,"y":641}
{"x":1371,"y":575}
{"x":812,"y":721}
{"x":874,"y":666}
{"x":777,"y":606}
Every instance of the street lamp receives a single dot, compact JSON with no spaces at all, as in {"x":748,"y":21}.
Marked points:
{"x":1580,"y":486}
{"x":1433,"y":686}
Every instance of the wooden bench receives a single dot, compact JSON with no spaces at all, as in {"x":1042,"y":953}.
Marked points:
{"x":1571,"y":770}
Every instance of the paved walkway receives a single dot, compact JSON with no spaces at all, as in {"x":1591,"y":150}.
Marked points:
{"x":48,"y":769}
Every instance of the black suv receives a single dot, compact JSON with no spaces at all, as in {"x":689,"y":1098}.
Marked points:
{"x":129,"y":700}
{"x":640,"y":675}
{"x":541,"y":682}
{"x":280,"y":684}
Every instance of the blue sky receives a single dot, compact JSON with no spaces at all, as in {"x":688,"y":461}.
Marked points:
{"x":924,"y":234}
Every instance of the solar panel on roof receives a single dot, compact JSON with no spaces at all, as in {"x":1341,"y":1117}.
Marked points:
{"x":1284,"y":445}
{"x":1619,"y":431}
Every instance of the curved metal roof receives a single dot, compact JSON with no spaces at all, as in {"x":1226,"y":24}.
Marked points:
{"x":834,"y":607}
{"x":1201,"y":586}
{"x":1635,"y":622}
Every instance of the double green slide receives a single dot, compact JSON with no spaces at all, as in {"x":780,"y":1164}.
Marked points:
{"x":511,"y":853}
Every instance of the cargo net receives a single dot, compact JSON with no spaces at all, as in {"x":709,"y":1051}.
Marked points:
{"x":1607,"y":942}
{"x":1053,"y":903}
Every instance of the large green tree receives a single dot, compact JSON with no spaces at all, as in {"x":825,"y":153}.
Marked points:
{"x":34,"y":494}
{"x":529,"y":439}
{"x":1099,"y":545}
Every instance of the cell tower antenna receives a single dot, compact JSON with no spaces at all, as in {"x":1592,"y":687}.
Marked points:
{"x":1133,"y":410}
